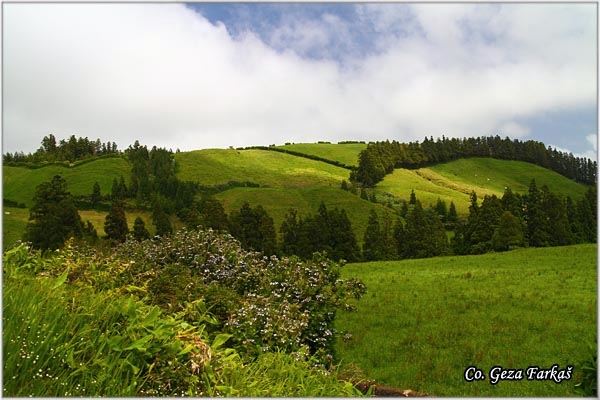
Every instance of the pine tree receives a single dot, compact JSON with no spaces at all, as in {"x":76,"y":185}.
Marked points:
{"x":139,"y":230}
{"x":115,"y":223}
{"x":508,"y":234}
{"x":537,"y":231}
{"x":213,"y":214}
{"x":96,"y":194}
{"x":54,"y":217}
{"x":161,"y":221}
{"x":290,"y":233}
{"x":373,"y":240}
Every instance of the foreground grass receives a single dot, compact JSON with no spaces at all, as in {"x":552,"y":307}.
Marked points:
{"x":423,"y":322}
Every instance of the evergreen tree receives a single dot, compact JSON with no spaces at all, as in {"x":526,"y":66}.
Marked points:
{"x":452,"y":218}
{"x":96,"y":194}
{"x":54,"y":217}
{"x":254,"y":228}
{"x":557,"y":221}
{"x":161,"y":221}
{"x":537,"y":231}
{"x":484,"y":224}
{"x":441,"y":209}
{"x":139,"y":230}
{"x":115,"y":223}
{"x":192,"y":217}
{"x":373,"y":240}
{"x":508,"y":234}
{"x":342,"y":240}
{"x":213,"y":214}
{"x":290,"y":233}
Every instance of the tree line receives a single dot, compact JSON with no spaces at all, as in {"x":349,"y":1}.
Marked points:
{"x":70,"y":150}
{"x":381,"y":158}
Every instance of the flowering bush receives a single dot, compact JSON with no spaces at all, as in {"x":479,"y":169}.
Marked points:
{"x":264,"y":302}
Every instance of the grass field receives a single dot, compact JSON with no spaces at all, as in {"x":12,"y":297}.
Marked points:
{"x":19,"y":183}
{"x":344,"y":153}
{"x":267,"y":168}
{"x":423,"y":322}
{"x":454,"y":181}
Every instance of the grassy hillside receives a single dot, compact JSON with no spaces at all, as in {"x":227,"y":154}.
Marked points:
{"x":287,"y":181}
{"x":19,"y":183}
{"x":423,"y":322}
{"x":344,"y":153}
{"x":454,"y":181}
{"x":267,"y":168}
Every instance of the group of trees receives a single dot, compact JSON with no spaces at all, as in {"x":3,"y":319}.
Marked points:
{"x":538,"y":218}
{"x":70,"y":150}
{"x":381,"y":158}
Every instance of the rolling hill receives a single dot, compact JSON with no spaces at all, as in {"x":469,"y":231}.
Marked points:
{"x":280,"y":181}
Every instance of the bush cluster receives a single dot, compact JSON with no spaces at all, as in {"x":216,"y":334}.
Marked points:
{"x":264,"y":302}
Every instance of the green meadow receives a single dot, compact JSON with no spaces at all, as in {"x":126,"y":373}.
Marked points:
{"x":423,"y":322}
{"x":263,"y":167}
{"x":19,"y":183}
{"x":346,"y":153}
{"x":454,"y":181}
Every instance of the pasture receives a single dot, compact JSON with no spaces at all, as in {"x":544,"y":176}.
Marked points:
{"x":19,"y":183}
{"x":346,"y":153}
{"x":423,"y":322}
{"x":454,"y":181}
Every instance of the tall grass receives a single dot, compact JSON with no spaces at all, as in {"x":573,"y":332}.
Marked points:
{"x":423,"y":322}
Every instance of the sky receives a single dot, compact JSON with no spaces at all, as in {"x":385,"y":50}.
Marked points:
{"x":213,"y":75}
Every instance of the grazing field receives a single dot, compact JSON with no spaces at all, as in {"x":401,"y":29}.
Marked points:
{"x":454,"y":181}
{"x":266,"y":168}
{"x":422,"y":323}
{"x":346,"y":153}
{"x":19,"y":183}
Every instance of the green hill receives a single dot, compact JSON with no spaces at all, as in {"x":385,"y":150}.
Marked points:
{"x":454,"y":181}
{"x":19,"y":183}
{"x":287,"y":181}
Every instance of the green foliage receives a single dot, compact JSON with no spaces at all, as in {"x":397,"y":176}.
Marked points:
{"x":53,"y":215}
{"x":73,"y":326}
{"x":115,"y":224}
{"x":254,"y":228}
{"x":275,"y":303}
{"x":589,"y":377}
{"x":139,"y":230}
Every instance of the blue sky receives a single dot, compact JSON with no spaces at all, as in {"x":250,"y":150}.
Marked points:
{"x":204,"y":75}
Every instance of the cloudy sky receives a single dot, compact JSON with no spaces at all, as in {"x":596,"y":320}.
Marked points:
{"x":193,"y":76}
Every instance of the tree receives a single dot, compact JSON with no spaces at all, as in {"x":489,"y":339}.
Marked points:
{"x":160,"y":219}
{"x":537,"y":231}
{"x":54,"y":217}
{"x":373,"y":239}
{"x":139,"y":230}
{"x":115,"y":224}
{"x":96,"y":194}
{"x":254,"y":228}
{"x":290,"y":233}
{"x":213,"y":214}
{"x":508,"y":234}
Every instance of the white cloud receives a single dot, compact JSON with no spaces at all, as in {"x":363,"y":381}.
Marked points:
{"x":163,"y":74}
